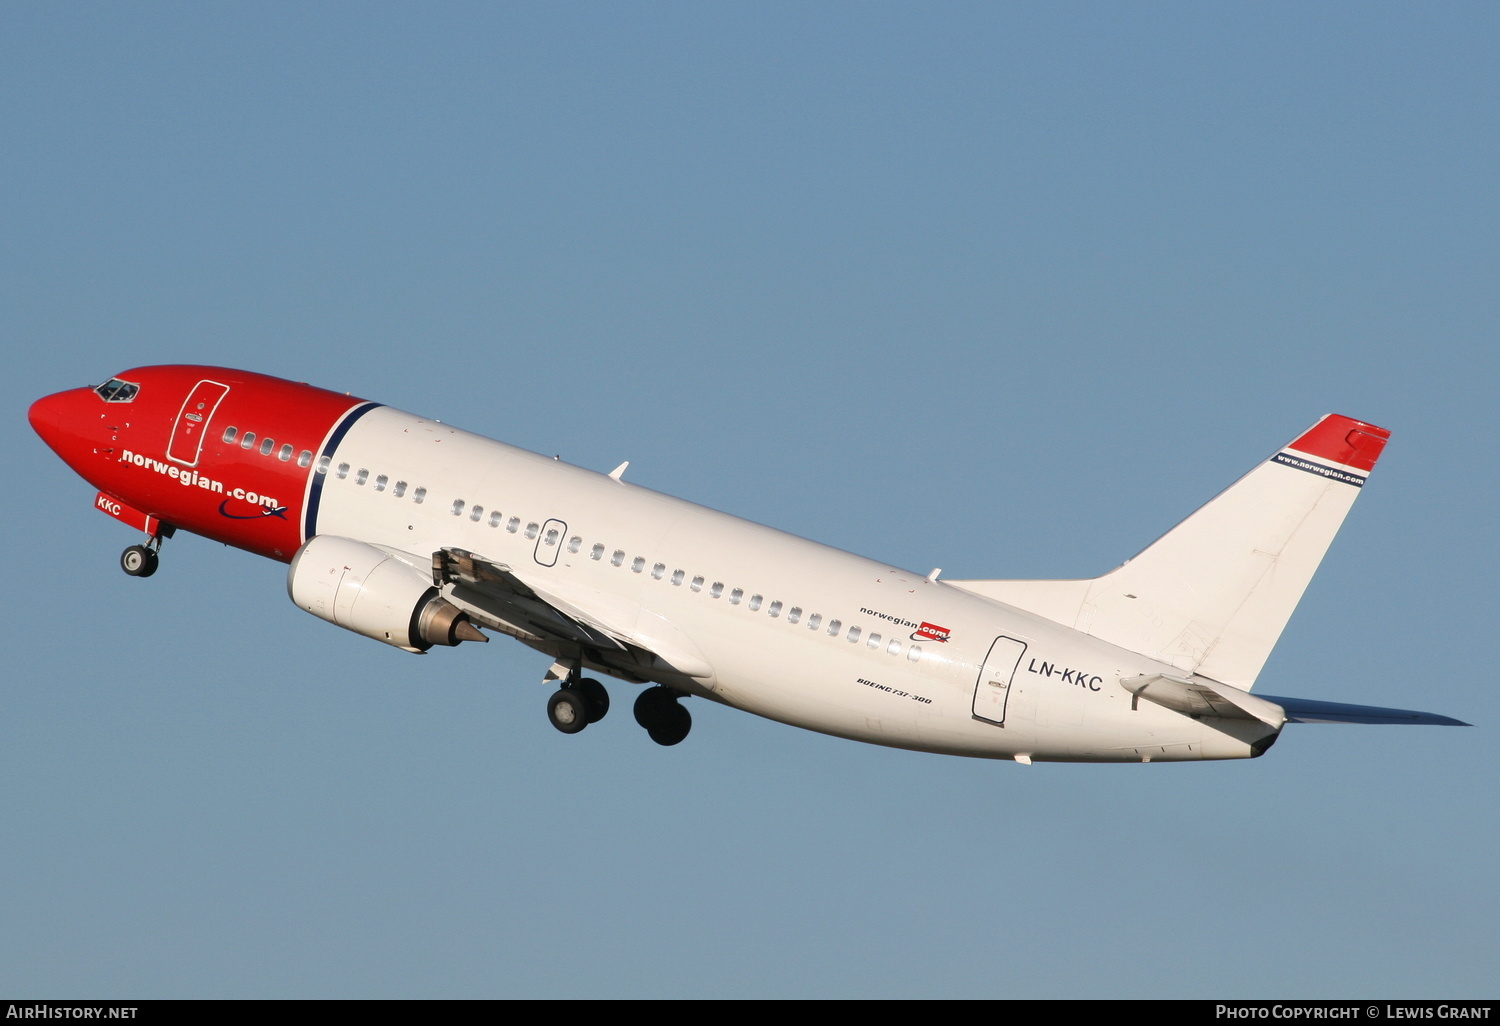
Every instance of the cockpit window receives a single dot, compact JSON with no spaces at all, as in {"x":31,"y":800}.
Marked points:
{"x":116,"y":391}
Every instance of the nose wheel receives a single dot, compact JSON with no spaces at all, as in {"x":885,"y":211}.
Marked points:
{"x":139,"y":561}
{"x":142,"y":560}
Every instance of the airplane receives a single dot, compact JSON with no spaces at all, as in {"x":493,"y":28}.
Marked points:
{"x":416,"y":534}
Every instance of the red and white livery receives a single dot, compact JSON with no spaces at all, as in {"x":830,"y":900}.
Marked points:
{"x":417,"y":534}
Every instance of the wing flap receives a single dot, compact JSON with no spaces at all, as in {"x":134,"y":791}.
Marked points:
{"x":573,"y":614}
{"x":494,"y":589}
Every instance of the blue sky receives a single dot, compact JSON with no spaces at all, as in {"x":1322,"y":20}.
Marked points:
{"x":1005,"y":289}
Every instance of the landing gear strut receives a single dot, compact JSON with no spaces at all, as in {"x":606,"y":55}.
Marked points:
{"x":664,"y":718}
{"x":579,"y":702}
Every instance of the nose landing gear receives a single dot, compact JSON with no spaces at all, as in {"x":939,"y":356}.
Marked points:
{"x":142,"y":560}
{"x":139,"y":561}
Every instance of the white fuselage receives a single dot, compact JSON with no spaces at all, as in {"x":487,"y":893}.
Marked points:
{"x":785,"y":628}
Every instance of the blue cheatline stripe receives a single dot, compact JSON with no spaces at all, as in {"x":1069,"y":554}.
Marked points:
{"x":310,"y":514}
{"x":1286,"y":459}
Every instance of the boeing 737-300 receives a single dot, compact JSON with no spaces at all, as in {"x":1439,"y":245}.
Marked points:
{"x":416,"y":534}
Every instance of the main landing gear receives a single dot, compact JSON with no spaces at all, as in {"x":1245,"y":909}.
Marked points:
{"x":664,"y":718}
{"x":583,"y":700}
{"x":579,"y":702}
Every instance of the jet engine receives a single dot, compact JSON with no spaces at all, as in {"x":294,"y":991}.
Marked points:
{"x":371,"y":592}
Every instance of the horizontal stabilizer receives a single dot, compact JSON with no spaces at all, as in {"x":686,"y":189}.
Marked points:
{"x":1303,"y":710}
{"x":1198,"y":697}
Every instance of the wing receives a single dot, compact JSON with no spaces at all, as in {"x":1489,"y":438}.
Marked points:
{"x":613,"y":632}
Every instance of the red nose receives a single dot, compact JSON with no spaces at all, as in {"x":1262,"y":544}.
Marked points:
{"x":63,"y":420}
{"x":44,"y":416}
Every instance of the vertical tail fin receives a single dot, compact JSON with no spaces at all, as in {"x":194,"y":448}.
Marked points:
{"x":1212,"y":595}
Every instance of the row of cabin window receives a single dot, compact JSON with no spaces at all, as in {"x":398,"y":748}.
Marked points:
{"x":476,"y":514}
{"x":637,"y":565}
{"x":659,"y":571}
{"x":381,"y":480}
{"x":754,"y":603}
{"x":247,"y":441}
{"x":398,"y":490}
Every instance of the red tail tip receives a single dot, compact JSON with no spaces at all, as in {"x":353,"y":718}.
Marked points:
{"x":1344,"y":440}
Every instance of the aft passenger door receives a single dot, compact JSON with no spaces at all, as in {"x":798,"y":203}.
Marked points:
{"x":992,"y":690}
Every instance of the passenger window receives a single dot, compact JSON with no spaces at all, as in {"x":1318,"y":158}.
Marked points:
{"x":597,"y":552}
{"x":343,"y":471}
{"x":637,"y":564}
{"x":735,"y":596}
{"x":794,"y":614}
{"x":914,"y":653}
{"x":853,"y":635}
{"x":659,"y":571}
{"x":551,"y":538}
{"x":399,"y":490}
{"x":229,"y":434}
{"x":874,"y":641}
{"x":476,"y":513}
{"x":458,"y":508}
{"x":814,"y":620}
{"x":894,"y":648}
{"x":323,"y":462}
{"x":575,"y":543}
{"x":677,"y":576}
{"x":774,"y":609}
{"x":716,"y":590}
{"x":304,"y":458}
{"x":697,"y":584}
{"x":532,"y":529}
{"x":266,"y":445}
{"x":247,"y":439}
{"x":754,"y":603}
{"x":418,"y":495}
{"x":833,"y":628}
{"x":362,"y":476}
{"x":380,"y":483}
{"x":285,"y":453}
{"x":618,"y":558}
{"x":495,"y":518}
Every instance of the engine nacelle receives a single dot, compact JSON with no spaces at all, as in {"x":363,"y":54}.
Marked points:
{"x":368,"y":591}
